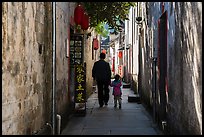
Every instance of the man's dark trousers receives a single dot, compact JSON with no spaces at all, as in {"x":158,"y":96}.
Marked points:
{"x":103,"y":92}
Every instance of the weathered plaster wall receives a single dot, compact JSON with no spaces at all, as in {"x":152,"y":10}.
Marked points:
{"x":89,"y":58}
{"x":64,"y":11}
{"x":184,"y":52}
{"x":185,"y":70}
{"x":26,"y":64}
{"x":145,"y":59}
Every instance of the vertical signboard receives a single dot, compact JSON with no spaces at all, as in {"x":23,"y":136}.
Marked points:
{"x":80,"y":89}
{"x":78,"y":72}
{"x":80,"y":84}
{"x":76,"y":49}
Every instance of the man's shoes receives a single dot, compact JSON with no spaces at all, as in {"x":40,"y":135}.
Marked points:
{"x":106,"y":103}
{"x":101,"y":106}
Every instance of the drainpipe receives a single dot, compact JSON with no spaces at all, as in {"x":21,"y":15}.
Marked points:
{"x":54,"y":65}
{"x":154,"y":86}
{"x":58,"y":124}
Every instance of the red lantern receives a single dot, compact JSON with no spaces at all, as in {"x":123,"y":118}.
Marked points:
{"x":78,"y":14}
{"x":95,"y":43}
{"x":120,"y":54}
{"x":85,"y":22}
{"x":104,"y":51}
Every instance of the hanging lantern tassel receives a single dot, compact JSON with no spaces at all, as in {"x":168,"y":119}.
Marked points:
{"x":85,"y":22}
{"x":78,"y":14}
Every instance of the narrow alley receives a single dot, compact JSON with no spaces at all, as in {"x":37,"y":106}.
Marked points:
{"x":131,"y":119}
{"x":54,"y":55}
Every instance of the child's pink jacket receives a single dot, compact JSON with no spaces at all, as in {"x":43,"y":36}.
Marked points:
{"x":116,"y":87}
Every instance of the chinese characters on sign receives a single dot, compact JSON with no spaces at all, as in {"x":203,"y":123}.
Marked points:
{"x":76,"y":49}
{"x":76,"y":62}
{"x":80,"y":87}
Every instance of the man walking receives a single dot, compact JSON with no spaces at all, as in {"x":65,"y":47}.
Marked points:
{"x":101,"y":72}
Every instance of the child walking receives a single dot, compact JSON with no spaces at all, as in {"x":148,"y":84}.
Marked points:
{"x":116,"y":84}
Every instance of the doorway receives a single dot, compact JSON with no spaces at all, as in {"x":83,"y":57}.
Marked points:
{"x":162,"y":65}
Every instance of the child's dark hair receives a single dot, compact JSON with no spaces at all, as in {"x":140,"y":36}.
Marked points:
{"x":117,"y":77}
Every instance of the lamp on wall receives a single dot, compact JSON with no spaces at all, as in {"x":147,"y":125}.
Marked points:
{"x":139,"y":20}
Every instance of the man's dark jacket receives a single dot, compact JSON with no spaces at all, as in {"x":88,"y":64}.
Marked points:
{"x":101,"y":71}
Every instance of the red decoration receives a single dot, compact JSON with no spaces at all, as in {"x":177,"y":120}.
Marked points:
{"x":104,"y":51}
{"x":85,"y":22}
{"x":78,"y":14}
{"x":95,"y":43}
{"x":113,"y":65}
{"x":120,"y":54}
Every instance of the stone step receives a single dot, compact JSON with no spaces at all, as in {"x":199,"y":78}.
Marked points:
{"x":134,"y":98}
{"x":126,"y":85}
